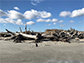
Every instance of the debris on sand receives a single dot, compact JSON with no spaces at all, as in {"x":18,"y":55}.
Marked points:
{"x":51,"y":34}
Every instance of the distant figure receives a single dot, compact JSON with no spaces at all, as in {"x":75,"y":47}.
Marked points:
{"x":36,"y":45}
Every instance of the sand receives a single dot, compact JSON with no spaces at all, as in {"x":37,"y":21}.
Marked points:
{"x":47,"y":52}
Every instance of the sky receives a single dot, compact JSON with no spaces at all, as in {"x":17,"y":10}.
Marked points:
{"x":40,"y":15}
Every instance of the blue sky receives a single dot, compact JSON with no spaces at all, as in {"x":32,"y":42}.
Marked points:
{"x":41,"y":14}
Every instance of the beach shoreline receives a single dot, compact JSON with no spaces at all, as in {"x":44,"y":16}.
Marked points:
{"x":46,"y":52}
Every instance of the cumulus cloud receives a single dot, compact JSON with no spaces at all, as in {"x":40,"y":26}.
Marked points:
{"x":8,"y":20}
{"x":72,"y":21}
{"x":36,"y":14}
{"x":45,"y":14}
{"x":15,"y":15}
{"x":54,"y":23}
{"x":47,"y":20}
{"x":54,"y":20}
{"x":76,"y":13}
{"x":41,"y":20}
{"x":30,"y":14}
{"x":30,"y":23}
{"x":65,"y":13}
{"x":35,"y":2}
{"x":61,"y":21}
{"x":19,"y":22}
{"x":16,"y":8}
{"x":2,"y":13}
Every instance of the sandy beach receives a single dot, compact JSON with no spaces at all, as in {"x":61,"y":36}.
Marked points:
{"x":46,"y":52}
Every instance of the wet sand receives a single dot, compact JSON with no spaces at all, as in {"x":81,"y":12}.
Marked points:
{"x":46,"y":52}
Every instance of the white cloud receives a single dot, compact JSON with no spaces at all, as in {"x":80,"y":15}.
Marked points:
{"x":72,"y":21}
{"x":35,"y":2}
{"x":41,"y":20}
{"x":19,"y":22}
{"x":48,"y":25}
{"x":16,"y":8}
{"x":61,"y":21}
{"x":76,"y":13}
{"x":54,"y":23}
{"x":27,"y":15}
{"x":47,"y":20}
{"x":30,"y":23}
{"x":45,"y":14}
{"x":31,"y":14}
{"x":36,"y":14}
{"x":15,"y":15}
{"x":65,"y":13}
{"x":8,"y":20}
{"x":54,"y":20}
{"x":2,"y":13}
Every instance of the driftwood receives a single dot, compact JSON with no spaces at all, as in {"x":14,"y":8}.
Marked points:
{"x":53,"y":35}
{"x":20,"y":29}
{"x":61,"y":35}
{"x":25,"y":26}
{"x":24,"y":35}
{"x":56,"y":36}
{"x":19,"y":37}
